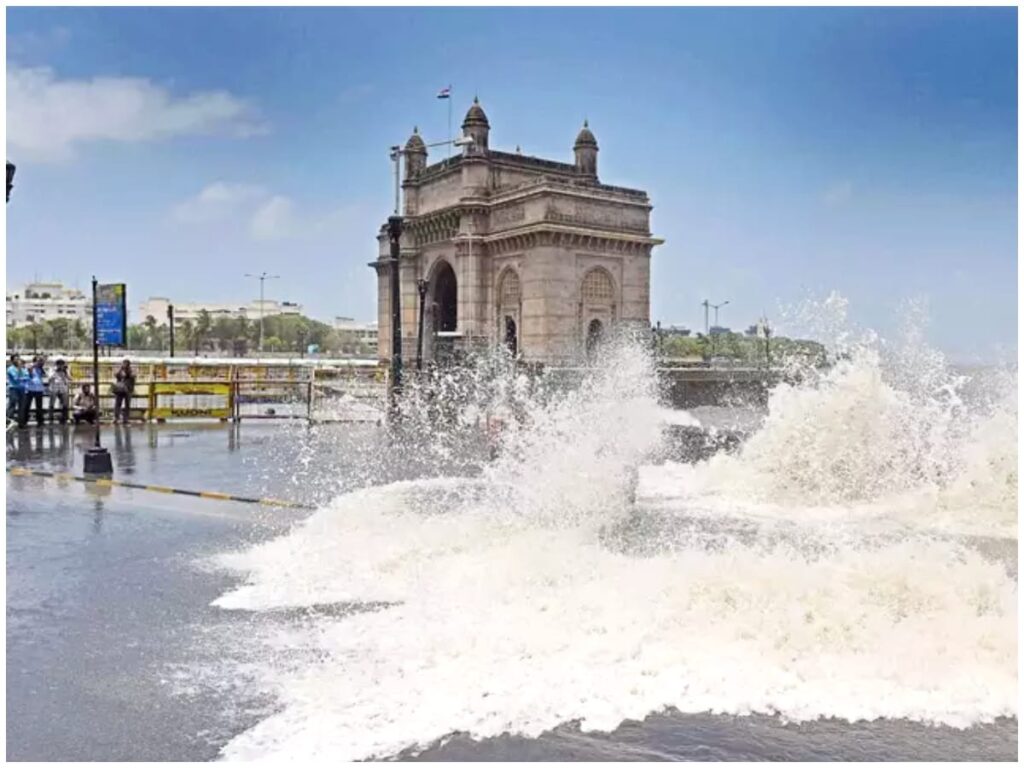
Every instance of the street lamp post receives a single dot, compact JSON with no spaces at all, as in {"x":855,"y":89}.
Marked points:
{"x":394,"y":236}
{"x":97,"y":459}
{"x":170,"y":325}
{"x":422,"y":285}
{"x":716,"y":307}
{"x":262,"y":277}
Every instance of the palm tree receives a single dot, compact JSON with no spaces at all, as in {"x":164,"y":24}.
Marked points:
{"x":151,"y":332}
{"x":187,"y":333}
{"x":203,"y":325}
{"x":79,"y":334}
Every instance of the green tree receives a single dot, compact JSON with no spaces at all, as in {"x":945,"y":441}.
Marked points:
{"x":80,"y":334}
{"x":60,"y":332}
{"x":152,"y":336}
{"x":202,"y":330}
{"x":223,"y":332}
{"x":186,"y":332}
{"x":138,"y":337}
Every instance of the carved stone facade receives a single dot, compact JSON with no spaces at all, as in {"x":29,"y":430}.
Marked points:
{"x":520,"y":251}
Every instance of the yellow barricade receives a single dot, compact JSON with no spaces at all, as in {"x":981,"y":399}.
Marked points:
{"x":196,"y":392}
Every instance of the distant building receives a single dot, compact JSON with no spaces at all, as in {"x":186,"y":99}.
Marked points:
{"x":718,"y":330}
{"x":157,"y":308}
{"x":356,"y":337}
{"x":675,"y":330}
{"x":39,"y":302}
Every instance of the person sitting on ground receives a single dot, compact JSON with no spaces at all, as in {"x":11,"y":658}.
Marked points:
{"x":34,"y":387}
{"x":85,"y":406}
{"x":60,"y":390}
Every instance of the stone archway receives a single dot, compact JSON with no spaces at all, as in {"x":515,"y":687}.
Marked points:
{"x":445,"y":294}
{"x":508,"y":300}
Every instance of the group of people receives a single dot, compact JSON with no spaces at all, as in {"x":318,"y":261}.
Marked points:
{"x":26,"y":386}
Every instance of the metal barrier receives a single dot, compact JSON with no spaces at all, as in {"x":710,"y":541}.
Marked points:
{"x":195,"y":390}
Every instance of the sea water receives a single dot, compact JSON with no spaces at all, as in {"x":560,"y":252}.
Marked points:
{"x":853,"y":560}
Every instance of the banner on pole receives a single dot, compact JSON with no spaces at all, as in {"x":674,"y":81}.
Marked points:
{"x":111,"y":315}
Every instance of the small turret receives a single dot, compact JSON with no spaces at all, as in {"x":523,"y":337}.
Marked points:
{"x":586,"y":152}
{"x":415,"y":155}
{"x":476,"y":126}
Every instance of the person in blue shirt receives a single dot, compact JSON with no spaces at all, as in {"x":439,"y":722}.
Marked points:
{"x":15,"y":390}
{"x":34,"y":389}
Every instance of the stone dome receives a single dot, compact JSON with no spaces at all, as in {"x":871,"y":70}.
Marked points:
{"x":585,"y":138}
{"x":476,"y":115}
{"x":415,"y":142}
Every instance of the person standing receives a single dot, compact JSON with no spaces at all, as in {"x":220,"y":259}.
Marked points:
{"x":15,"y":389}
{"x":124,"y":385}
{"x":60,"y":389}
{"x":35,"y":386}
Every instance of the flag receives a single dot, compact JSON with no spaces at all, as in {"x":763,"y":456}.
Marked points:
{"x":445,"y":93}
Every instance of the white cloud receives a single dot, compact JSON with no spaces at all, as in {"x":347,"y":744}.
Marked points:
{"x":48,"y":118}
{"x":261,"y":214}
{"x":274,"y":219}
{"x":219,"y":200}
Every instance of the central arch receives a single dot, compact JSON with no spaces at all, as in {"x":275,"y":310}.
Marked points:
{"x":446,"y":298}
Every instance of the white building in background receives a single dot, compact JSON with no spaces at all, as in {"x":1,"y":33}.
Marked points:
{"x":356,"y":336}
{"x":157,"y":307}
{"x":39,"y":302}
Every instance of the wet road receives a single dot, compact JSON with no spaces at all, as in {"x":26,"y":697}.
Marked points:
{"x":114,"y":653}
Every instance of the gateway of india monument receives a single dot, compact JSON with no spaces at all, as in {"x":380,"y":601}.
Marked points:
{"x":506,"y":249}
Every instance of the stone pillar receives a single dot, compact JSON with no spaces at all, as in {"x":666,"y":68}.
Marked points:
{"x":636,"y":281}
{"x":549,"y":305}
{"x":383,"y":311}
{"x":410,"y":303}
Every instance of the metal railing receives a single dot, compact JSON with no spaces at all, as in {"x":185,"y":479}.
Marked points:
{"x":223,"y":391}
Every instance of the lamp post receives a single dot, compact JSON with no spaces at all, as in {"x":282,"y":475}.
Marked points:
{"x":422,"y":285}
{"x":97,"y":459}
{"x":394,"y":236}
{"x":707,"y":331}
{"x":716,"y":307}
{"x":262,"y":277}
{"x":170,"y":325}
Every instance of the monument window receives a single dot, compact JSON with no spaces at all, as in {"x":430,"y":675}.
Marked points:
{"x":509,"y":292}
{"x":597,"y":287}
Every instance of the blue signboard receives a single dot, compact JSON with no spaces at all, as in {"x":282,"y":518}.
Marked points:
{"x":111,"y":315}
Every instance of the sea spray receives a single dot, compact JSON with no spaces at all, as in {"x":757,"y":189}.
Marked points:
{"x":499,"y":603}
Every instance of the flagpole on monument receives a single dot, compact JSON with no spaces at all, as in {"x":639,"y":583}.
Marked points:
{"x":446,"y":94}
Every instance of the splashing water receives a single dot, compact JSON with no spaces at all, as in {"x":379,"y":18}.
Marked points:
{"x":817,"y":572}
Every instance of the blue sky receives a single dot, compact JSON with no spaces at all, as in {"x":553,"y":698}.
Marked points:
{"x":787,"y":152}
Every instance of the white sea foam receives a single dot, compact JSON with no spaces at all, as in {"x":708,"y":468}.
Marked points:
{"x":501,"y":605}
